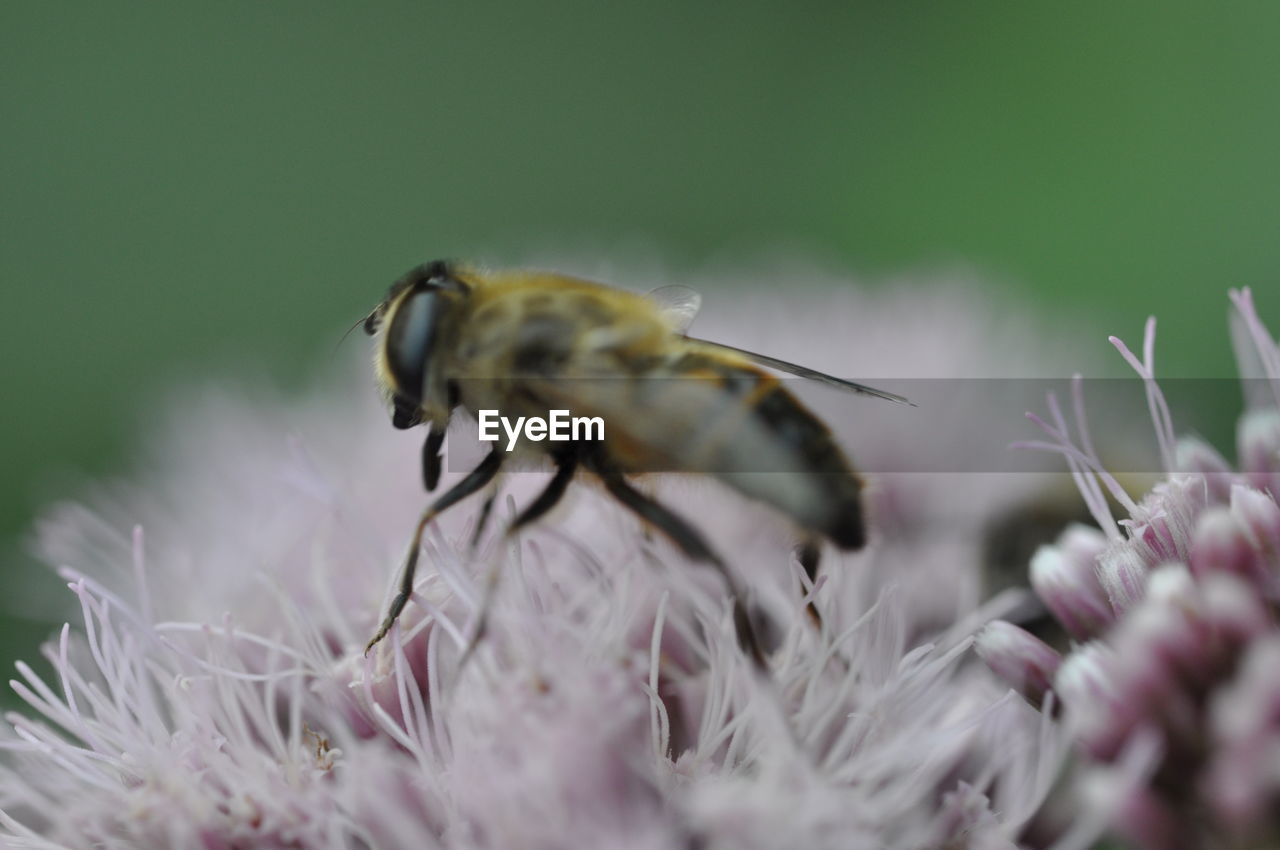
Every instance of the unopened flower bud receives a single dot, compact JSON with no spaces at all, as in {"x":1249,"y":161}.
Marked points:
{"x":1196,"y":456}
{"x":1258,"y":446}
{"x":1148,"y":821}
{"x":1083,"y":543}
{"x":1122,"y":571}
{"x":1086,"y":685}
{"x":1025,"y":663}
{"x":1242,"y":780}
{"x":1171,"y":584}
{"x":1259,"y":514}
{"x":1064,"y":578}
{"x":1233,"y":609}
{"x":1221,"y":545}
{"x":1162,"y":644}
{"x":1167,"y":518}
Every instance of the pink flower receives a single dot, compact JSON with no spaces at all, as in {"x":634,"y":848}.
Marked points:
{"x":215,"y":694}
{"x":1065,"y":577}
{"x":1178,"y":651}
{"x":1027,"y":663}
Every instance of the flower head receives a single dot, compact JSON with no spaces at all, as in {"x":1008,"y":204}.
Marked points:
{"x":1176,"y":607}
{"x":215,"y":694}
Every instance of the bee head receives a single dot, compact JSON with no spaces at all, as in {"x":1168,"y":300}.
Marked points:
{"x":415,"y":315}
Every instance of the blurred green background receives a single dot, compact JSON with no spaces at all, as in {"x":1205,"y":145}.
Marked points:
{"x":185,"y":184}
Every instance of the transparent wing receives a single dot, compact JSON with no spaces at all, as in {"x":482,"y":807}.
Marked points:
{"x":679,"y":304}
{"x":809,"y":374}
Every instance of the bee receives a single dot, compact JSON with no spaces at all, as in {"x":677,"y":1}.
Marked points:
{"x":449,"y":336}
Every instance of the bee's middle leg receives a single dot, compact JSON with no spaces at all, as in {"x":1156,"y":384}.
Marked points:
{"x":482,"y":521}
{"x":809,"y":554}
{"x":475,"y":481}
{"x":692,"y":543}
{"x":546,"y":500}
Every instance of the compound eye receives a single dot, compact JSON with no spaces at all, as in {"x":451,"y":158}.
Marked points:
{"x":410,"y":337}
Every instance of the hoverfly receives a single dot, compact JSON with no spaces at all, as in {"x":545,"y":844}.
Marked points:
{"x":451,"y":336}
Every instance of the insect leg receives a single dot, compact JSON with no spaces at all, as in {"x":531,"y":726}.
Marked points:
{"x":692,"y":544}
{"x":549,"y":497}
{"x":482,"y":521}
{"x":809,"y":553}
{"x":475,"y":480}
{"x":546,"y":500}
{"x":431,"y":457}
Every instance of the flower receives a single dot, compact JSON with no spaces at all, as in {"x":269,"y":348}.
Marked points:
{"x":215,"y":694}
{"x":1175,"y":610}
{"x":1027,"y":663}
{"x":1064,"y":577}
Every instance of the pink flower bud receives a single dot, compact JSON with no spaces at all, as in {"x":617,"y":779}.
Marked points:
{"x":1196,"y":456}
{"x":1163,"y":644}
{"x":1149,"y":822}
{"x":1233,"y":609}
{"x":1064,"y":578}
{"x":1083,"y":543}
{"x":1258,"y":445}
{"x":1242,"y":779}
{"x":1166,"y":518}
{"x":1086,"y":683}
{"x":1260,"y":516}
{"x":1025,"y":663}
{"x":1122,"y":571}
{"x":1221,"y":545}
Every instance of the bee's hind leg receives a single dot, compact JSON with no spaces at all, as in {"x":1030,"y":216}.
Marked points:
{"x":546,"y":500}
{"x":475,"y":481}
{"x":692,"y":543}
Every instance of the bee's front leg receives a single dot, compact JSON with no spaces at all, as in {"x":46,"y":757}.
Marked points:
{"x":431,"y":461}
{"x":475,"y":481}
